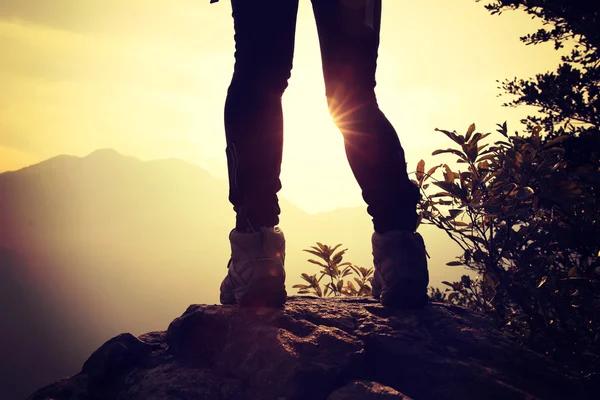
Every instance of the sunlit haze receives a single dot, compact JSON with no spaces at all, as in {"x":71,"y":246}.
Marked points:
{"x":94,"y":243}
{"x":149,"y":78}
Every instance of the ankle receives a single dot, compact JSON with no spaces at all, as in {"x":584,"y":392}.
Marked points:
{"x":245,"y":229}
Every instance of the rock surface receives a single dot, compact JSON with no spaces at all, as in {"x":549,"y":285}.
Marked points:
{"x":366,"y":390}
{"x":334,"y":349}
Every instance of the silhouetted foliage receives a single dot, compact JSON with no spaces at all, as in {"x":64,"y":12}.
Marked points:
{"x":525,"y":210}
{"x":529,"y":226}
{"x":577,"y":19}
{"x":333,"y":267}
{"x":568,"y":99}
{"x":475,"y":294}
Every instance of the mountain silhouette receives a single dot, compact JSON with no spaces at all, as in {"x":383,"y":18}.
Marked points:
{"x":97,"y":245}
{"x":333,"y":349}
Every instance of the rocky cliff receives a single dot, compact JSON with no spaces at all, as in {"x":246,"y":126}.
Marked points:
{"x":335,"y":349}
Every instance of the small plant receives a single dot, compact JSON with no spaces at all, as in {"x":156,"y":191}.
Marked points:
{"x":475,"y":294}
{"x":333,"y":267}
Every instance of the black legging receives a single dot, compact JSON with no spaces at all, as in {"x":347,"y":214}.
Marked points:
{"x":264,"y":47}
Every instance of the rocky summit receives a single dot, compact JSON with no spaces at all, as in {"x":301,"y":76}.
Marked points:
{"x":333,"y":349}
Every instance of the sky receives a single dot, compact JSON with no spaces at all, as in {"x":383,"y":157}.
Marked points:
{"x":149,"y":78}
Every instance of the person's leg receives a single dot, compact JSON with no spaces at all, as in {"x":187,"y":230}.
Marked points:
{"x":349,"y":39}
{"x":264,"y":44}
{"x":264,"y":47}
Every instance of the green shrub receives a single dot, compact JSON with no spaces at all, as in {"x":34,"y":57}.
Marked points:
{"x":527,"y":221}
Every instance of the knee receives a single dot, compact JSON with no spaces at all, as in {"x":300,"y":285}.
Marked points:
{"x":273,"y":81}
{"x":350,"y":105}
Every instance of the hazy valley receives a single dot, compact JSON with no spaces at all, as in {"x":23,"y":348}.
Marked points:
{"x":91,"y":247}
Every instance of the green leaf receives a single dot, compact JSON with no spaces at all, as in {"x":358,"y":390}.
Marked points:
{"x":441,"y":194}
{"x":335,"y":248}
{"x":555,"y":141}
{"x":420,"y":171}
{"x":301,"y":286}
{"x":503,"y":129}
{"x":453,"y":151}
{"x":475,"y":239}
{"x":452,"y":188}
{"x":455,"y":213}
{"x":454,"y":263}
{"x":318,"y":291}
{"x":460,"y":223}
{"x":483,"y":136}
{"x":449,"y":175}
{"x":315,"y":253}
{"x":337,"y":259}
{"x":432,"y":170}
{"x":318,"y":263}
{"x":471,"y":150}
{"x":572,"y":272}
{"x":470,"y":131}
{"x":451,"y":135}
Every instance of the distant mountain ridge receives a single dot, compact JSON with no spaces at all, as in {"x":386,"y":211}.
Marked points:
{"x":108,"y":243}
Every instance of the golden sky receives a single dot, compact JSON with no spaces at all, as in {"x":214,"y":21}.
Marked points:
{"x":149,"y":77}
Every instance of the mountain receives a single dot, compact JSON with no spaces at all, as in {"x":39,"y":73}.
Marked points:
{"x":97,"y":245}
{"x":331,"y":349}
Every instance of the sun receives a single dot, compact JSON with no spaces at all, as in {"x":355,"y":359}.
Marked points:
{"x":310,"y":132}
{"x":315,"y":171}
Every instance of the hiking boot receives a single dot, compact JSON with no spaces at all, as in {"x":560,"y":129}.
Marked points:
{"x":255,"y":276}
{"x":400,"y":278}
